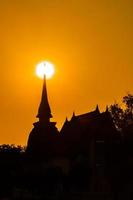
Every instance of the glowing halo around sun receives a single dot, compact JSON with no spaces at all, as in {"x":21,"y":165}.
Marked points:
{"x":45,"y":68}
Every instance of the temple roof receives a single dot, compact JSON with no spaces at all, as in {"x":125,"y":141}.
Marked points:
{"x":87,"y":116}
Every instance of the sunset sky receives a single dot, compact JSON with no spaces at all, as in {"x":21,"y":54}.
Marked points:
{"x":90,"y":42}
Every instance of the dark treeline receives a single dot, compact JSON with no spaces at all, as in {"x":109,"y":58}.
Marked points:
{"x":122,"y":156}
{"x":23,"y":178}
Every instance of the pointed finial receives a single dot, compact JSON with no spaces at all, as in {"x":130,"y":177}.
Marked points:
{"x":66,"y":120}
{"x":97,"y":109}
{"x":73,"y":114}
{"x":107,"y":109}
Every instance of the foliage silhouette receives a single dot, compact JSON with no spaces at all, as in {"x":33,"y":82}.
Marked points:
{"x":123,"y":117}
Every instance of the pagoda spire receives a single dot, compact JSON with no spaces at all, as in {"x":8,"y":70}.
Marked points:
{"x":44,"y":111}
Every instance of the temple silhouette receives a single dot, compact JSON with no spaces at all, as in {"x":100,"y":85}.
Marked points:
{"x":44,"y":136}
{"x":89,"y":158}
{"x":83,"y":148}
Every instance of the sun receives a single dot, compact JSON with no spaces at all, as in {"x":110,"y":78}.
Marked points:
{"x":45,"y":68}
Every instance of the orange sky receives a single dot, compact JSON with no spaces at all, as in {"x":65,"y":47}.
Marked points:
{"x":91,"y":45}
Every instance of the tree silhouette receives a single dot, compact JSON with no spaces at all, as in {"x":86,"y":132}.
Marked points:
{"x":123,"y":118}
{"x":128,"y":100}
{"x":118,"y":115}
{"x":11,"y":158}
{"x":6,"y":148}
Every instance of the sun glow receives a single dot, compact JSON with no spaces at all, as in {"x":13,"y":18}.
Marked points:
{"x":45,"y":68}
